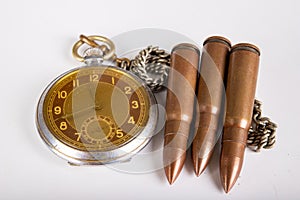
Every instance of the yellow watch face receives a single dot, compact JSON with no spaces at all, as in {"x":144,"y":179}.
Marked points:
{"x":96,"y":108}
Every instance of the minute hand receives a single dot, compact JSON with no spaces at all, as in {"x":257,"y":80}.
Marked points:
{"x":96,"y":108}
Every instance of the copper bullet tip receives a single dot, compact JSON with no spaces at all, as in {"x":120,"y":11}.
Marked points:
{"x":230,"y":169}
{"x":173,"y":170}
{"x":174,"y":156}
{"x":200,"y":164}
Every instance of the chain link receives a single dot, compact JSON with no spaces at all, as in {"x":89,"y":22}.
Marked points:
{"x":262,"y":132}
{"x":151,"y":65}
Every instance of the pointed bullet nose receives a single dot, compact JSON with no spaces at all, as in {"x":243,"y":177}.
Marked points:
{"x":171,"y":178}
{"x":228,"y":185}
{"x":230,"y":168}
{"x":200,"y":164}
{"x":226,"y":189}
{"x":173,"y":170}
{"x":173,"y":159}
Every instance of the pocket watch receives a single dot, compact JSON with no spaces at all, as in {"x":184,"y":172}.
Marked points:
{"x":96,"y":114}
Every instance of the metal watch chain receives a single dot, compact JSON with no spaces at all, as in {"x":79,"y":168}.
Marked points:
{"x":152,"y":66}
{"x":262,"y":132}
{"x":150,"y":60}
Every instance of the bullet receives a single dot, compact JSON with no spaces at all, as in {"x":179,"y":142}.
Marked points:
{"x":211,"y":91}
{"x":240,"y":93}
{"x":179,"y":107}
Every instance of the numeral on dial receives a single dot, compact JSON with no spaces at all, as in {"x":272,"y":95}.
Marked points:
{"x":78,"y":136}
{"x":119,"y":133}
{"x":94,"y":77}
{"x":127,"y":90}
{"x":112,"y":80}
{"x":75,"y":83}
{"x":131,"y":120}
{"x":63,"y":126}
{"x":57,"y":110}
{"x":135,"y":104}
{"x":62,"y":94}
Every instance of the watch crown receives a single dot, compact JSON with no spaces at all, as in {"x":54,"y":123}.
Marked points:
{"x":93,"y":55}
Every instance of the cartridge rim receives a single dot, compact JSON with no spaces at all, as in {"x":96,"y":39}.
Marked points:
{"x":218,"y":39}
{"x":246,"y":47}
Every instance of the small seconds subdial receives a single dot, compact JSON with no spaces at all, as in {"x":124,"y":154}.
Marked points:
{"x":98,"y":130}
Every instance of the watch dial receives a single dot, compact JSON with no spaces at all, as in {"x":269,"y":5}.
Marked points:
{"x":96,"y":108}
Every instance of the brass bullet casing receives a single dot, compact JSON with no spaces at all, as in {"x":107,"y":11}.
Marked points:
{"x":179,"y":107}
{"x":211,"y":91}
{"x":240,"y":93}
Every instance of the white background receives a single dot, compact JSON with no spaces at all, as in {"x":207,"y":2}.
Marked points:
{"x":36,"y":40}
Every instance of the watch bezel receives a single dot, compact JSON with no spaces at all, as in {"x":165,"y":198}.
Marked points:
{"x":80,"y":157}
